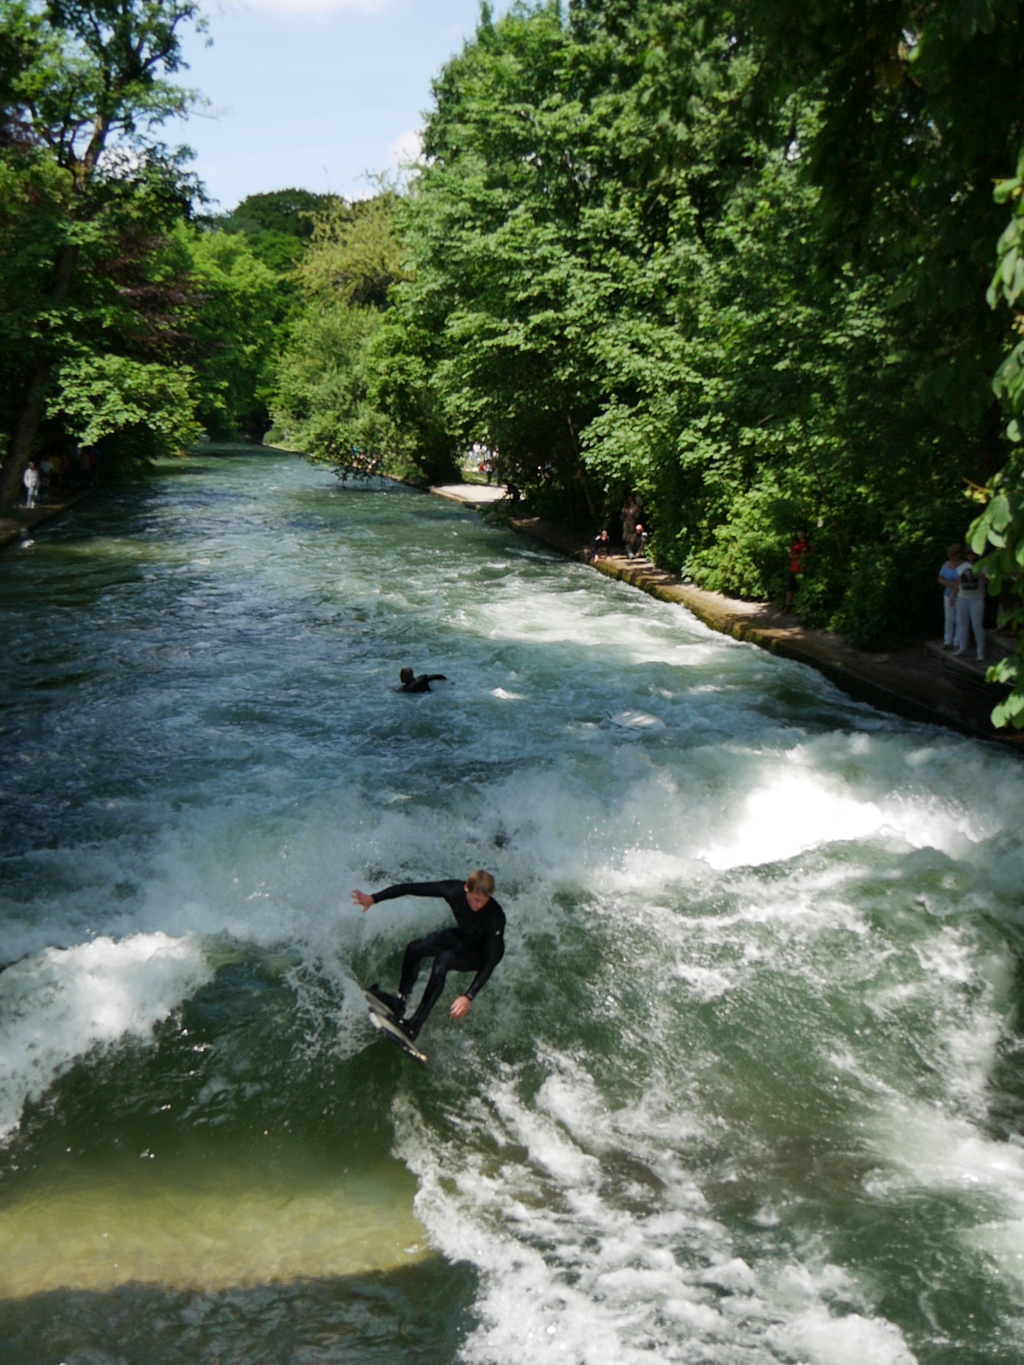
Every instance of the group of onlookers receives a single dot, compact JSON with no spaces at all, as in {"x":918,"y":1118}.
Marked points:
{"x":55,"y":473}
{"x":963,"y":585}
{"x":634,"y":534}
{"x":963,"y":600}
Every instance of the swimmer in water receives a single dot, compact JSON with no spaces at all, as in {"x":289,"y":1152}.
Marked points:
{"x":410,"y":682}
{"x":476,"y":945}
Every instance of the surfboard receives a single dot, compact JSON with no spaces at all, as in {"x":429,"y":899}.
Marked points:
{"x":383,"y":1020}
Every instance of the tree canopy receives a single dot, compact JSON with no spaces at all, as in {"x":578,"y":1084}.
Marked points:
{"x":89,"y":196}
{"x":732,"y":255}
{"x":736,"y":255}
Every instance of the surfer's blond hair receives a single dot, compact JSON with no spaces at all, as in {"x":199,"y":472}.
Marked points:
{"x":480,"y":881}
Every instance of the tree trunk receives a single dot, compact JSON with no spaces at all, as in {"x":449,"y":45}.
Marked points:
{"x":20,"y":451}
{"x":581,"y":472}
{"x":22,"y":446}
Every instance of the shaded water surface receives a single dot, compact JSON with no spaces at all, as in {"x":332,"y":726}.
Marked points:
{"x":747,"y":1086}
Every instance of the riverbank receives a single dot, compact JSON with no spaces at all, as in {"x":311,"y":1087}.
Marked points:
{"x":918,"y":681}
{"x":22,"y":519}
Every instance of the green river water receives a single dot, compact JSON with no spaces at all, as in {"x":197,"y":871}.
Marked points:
{"x":747,"y":1087}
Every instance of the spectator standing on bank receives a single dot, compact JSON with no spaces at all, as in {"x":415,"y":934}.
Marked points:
{"x":30,"y":479}
{"x":632,"y":510}
{"x":949,"y":582}
{"x":970,"y":607}
{"x":798,"y":553}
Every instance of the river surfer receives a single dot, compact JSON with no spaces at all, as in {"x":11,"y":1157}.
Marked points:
{"x":477,"y":945}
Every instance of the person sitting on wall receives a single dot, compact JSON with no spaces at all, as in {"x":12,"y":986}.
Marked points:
{"x":637,"y":541}
{"x":410,"y":683}
{"x":601,"y":546}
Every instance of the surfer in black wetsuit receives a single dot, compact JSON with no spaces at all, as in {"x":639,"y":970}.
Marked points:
{"x":410,"y":682}
{"x":476,"y":945}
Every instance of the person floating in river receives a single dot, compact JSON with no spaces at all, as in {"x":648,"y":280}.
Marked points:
{"x":477,"y":945}
{"x":410,"y":683}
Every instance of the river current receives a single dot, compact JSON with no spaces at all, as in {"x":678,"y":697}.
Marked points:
{"x":747,"y":1087}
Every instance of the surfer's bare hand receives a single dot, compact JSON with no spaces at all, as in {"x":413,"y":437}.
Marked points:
{"x":460,"y":1007}
{"x":361,"y":898}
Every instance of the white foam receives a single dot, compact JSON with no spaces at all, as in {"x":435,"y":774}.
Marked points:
{"x":735,"y":912}
{"x":569,"y":1274}
{"x":823,"y":1338}
{"x":62,"y":1002}
{"x":924,"y":1148}
{"x":639,"y":721}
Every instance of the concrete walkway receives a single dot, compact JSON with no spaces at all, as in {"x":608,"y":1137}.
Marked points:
{"x":918,"y":681}
{"x":474,"y":495}
{"x":26,"y":519}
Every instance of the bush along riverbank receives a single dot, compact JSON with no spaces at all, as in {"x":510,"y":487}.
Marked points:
{"x":916,"y":680}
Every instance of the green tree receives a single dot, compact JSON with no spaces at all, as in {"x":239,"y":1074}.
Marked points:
{"x":134,"y":409}
{"x":716,"y":252}
{"x":486,"y":338}
{"x":93,"y":192}
{"x":278,"y":227}
{"x":327,"y":399}
{"x":234,"y":331}
{"x":1000,"y":527}
{"x":290,"y":213}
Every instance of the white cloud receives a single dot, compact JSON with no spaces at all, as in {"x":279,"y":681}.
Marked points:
{"x":406,"y":147}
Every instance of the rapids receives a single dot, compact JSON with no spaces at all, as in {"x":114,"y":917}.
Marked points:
{"x":748,"y":1085}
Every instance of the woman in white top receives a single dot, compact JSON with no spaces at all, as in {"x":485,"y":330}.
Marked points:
{"x":970,"y":607}
{"x":30,"y":478}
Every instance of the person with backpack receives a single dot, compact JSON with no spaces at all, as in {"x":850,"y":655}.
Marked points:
{"x":970,"y":607}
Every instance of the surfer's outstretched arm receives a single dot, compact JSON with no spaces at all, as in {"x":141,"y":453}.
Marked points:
{"x":438,"y":890}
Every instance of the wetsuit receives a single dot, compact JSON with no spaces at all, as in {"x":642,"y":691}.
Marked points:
{"x":476,"y":945}
{"x":422,"y":683}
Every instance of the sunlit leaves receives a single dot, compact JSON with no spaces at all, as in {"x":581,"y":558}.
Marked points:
{"x":107,"y":395}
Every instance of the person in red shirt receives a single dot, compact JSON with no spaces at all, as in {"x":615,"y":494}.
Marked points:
{"x":798,"y":552}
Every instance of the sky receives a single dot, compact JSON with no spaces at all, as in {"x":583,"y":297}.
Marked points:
{"x":313,"y":94}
